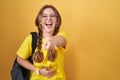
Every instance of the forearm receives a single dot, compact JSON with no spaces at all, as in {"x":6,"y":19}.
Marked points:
{"x":54,"y":41}
{"x":26,"y":64}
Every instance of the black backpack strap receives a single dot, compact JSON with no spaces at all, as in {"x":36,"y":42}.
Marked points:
{"x":34,"y":41}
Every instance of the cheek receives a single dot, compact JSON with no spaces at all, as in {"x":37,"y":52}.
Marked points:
{"x":41,"y":22}
{"x":55,"y":21}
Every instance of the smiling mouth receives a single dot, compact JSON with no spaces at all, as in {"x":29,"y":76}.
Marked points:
{"x":48,"y":25}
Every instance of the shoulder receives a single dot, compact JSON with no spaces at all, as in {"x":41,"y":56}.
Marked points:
{"x":63,"y":33}
{"x":28,"y":38}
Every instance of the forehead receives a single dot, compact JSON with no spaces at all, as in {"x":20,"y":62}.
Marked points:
{"x":48,"y":11}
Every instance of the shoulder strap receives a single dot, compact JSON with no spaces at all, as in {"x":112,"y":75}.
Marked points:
{"x":34,"y":41}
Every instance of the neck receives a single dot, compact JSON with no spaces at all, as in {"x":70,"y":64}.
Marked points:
{"x":45,"y":34}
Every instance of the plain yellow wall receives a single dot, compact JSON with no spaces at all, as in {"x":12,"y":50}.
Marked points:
{"x":94,"y":35}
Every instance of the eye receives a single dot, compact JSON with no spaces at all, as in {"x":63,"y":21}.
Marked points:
{"x":53,"y":15}
{"x":44,"y":16}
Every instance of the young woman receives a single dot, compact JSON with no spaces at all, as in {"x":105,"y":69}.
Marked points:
{"x":48,"y":59}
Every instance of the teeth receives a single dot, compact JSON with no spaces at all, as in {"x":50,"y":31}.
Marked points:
{"x":48,"y":24}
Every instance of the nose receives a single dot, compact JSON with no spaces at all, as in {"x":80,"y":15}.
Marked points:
{"x":49,"y":17}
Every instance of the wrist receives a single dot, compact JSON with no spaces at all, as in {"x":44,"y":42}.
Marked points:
{"x":37,"y":72}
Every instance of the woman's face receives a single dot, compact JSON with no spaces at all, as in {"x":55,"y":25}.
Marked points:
{"x":48,"y":21}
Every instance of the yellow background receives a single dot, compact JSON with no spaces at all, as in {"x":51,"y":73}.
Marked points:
{"x":94,"y":35}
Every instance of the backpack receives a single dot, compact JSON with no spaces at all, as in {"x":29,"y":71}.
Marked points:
{"x":18,"y":72}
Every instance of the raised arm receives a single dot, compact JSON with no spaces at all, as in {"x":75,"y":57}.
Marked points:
{"x":54,"y":41}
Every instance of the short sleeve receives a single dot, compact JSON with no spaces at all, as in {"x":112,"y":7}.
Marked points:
{"x":24,"y":50}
